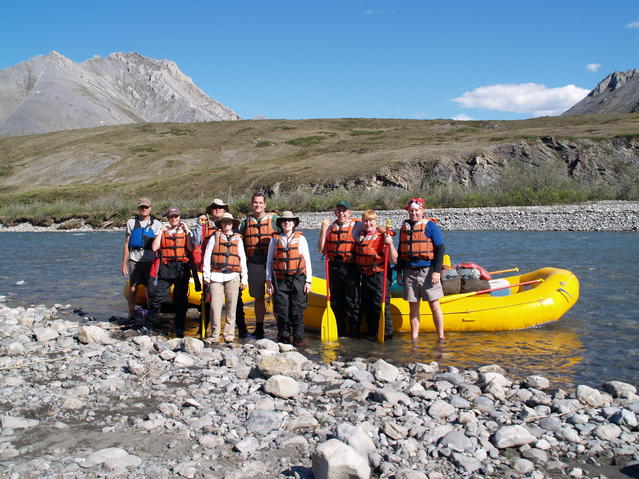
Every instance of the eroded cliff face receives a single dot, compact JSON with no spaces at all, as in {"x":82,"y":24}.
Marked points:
{"x":617,"y":93}
{"x":598,"y":162}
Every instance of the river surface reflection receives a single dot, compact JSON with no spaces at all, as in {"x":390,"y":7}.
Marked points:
{"x":596,"y":341}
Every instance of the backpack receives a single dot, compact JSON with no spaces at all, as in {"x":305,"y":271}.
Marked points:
{"x":141,"y":238}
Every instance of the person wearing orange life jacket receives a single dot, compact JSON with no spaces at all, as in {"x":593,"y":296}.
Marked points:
{"x":337,"y":239}
{"x":288,"y":278}
{"x":257,"y":230}
{"x":211,"y":219}
{"x":226,"y":273}
{"x":421,"y":254}
{"x":369,"y":258}
{"x":173,"y":245}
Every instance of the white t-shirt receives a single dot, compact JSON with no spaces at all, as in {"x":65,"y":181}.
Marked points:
{"x":140,"y":254}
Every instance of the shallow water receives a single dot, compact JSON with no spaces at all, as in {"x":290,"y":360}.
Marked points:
{"x":596,"y":341}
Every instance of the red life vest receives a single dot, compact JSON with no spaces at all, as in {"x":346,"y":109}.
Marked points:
{"x":367,"y":255}
{"x":257,"y":235}
{"x":173,"y":247}
{"x":287,"y":259}
{"x":225,"y":257}
{"x":414,"y":245}
{"x":198,"y":251}
{"x":340,"y":244}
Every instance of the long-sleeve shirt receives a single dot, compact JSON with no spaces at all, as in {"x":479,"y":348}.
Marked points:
{"x":219,"y":277}
{"x":303,"y":249}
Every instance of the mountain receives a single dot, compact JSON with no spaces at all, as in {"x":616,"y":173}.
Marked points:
{"x":52,"y":93}
{"x":617,"y":93}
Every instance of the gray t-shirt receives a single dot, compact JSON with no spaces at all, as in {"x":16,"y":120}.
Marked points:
{"x":140,"y":254}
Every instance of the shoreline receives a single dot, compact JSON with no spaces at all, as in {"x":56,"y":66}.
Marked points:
{"x":85,"y":397}
{"x":598,"y":216}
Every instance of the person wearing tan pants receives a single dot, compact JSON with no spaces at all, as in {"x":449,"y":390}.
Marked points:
{"x":225,"y":273}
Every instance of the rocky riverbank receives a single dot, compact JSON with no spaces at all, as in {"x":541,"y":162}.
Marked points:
{"x":600,"y":216}
{"x":81,"y":398}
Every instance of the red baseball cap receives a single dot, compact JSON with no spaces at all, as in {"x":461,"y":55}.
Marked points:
{"x":414,"y":201}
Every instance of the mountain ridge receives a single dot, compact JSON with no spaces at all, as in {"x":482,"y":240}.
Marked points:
{"x":616,"y":93}
{"x":52,"y":93}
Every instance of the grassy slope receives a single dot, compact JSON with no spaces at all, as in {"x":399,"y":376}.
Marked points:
{"x":105,"y":168}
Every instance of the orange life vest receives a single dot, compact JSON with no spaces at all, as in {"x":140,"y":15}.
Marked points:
{"x":414,"y":245}
{"x":367,"y":257}
{"x":287,"y":259}
{"x":173,"y":248}
{"x":257,"y":235}
{"x":225,"y":257}
{"x":340,"y":244}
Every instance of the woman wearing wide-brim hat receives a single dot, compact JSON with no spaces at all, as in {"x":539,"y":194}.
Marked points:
{"x":225,"y":271}
{"x":288,"y":278}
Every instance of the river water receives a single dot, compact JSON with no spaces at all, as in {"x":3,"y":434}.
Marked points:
{"x":597,"y":340}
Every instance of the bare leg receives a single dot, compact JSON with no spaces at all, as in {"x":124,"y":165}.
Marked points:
{"x":438,"y":318}
{"x":131,"y":300}
{"x":414,"y":319}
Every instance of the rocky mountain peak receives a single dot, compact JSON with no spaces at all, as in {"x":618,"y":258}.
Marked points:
{"x":617,"y":93}
{"x":51,"y":92}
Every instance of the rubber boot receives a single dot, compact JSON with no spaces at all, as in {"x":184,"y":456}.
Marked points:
{"x":259,"y":330}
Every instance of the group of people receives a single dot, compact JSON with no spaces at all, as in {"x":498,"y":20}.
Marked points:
{"x":266,"y":253}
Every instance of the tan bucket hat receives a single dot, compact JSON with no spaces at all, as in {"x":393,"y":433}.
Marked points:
{"x":217,"y":203}
{"x":287,"y":215}
{"x":229,"y":217}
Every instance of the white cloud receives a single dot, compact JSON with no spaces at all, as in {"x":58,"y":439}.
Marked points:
{"x":634,"y":24}
{"x":462,"y":117}
{"x":593,"y":67}
{"x":532,"y":98}
{"x":372,"y":12}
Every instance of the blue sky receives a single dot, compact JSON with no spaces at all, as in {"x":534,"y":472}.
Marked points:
{"x":350,"y":58}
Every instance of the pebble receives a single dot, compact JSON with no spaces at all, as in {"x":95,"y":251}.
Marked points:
{"x":219,"y":412}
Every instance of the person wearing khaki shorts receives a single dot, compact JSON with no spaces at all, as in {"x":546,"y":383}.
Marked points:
{"x":421,"y":254}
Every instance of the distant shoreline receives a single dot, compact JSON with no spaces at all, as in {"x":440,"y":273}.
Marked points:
{"x":596,"y":216}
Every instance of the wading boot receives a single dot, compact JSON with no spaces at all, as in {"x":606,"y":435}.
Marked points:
{"x":259,"y":331}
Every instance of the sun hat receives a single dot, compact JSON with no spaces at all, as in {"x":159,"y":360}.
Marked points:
{"x":414,"y":202}
{"x":287,"y":215}
{"x":173,"y":210}
{"x":144,"y":201}
{"x":217,"y":203}
{"x":344,"y":204}
{"x":229,"y":217}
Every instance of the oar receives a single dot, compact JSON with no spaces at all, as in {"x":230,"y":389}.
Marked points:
{"x":455,"y":297}
{"x":382,"y":317}
{"x":329,"y":324}
{"x":511,"y":270}
{"x":204,"y":288}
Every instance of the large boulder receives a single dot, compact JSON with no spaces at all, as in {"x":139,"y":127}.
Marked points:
{"x":335,"y":460}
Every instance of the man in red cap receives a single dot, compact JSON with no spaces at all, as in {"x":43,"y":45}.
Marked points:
{"x":421,"y":254}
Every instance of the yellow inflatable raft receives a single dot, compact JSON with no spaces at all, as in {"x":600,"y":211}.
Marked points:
{"x":523,"y":307}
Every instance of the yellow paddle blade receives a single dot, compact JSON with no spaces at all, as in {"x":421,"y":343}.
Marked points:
{"x":382,"y":324}
{"x":329,"y":324}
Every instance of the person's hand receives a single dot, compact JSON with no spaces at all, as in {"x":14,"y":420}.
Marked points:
{"x":202,"y":218}
{"x":307,"y":288}
{"x":388,"y":239}
{"x":184,"y":228}
{"x":243,"y":286}
{"x":166,"y":227}
{"x":269,"y":288}
{"x":436,"y":278}
{"x":124,"y":268}
{"x":325,"y":223}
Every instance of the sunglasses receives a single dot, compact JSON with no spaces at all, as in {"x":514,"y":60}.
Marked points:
{"x":174,"y":216}
{"x":143,"y":207}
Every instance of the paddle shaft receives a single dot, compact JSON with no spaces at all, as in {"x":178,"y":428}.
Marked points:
{"x":381,"y":327}
{"x":511,"y":270}
{"x":204,"y":288}
{"x":484,"y":291}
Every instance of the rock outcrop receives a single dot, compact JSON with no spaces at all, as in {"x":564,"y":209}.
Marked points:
{"x":617,"y":93}
{"x":52,"y":93}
